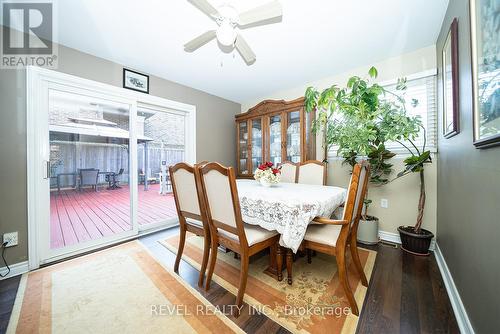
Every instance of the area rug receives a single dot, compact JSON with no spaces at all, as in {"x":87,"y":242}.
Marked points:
{"x":314,"y":303}
{"x":119,"y":290}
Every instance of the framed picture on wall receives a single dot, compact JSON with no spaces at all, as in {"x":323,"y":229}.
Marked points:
{"x":485,"y":43}
{"x":449,"y":71}
{"x":135,"y":81}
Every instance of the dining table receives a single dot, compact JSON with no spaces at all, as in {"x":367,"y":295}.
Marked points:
{"x":287,"y":208}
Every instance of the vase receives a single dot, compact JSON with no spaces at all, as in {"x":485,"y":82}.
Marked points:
{"x":265,"y":183}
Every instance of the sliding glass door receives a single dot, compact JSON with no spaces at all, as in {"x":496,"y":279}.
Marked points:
{"x":89,"y":144}
{"x":98,"y":159}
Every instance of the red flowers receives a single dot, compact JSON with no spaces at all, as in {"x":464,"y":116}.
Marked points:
{"x":270,"y":165}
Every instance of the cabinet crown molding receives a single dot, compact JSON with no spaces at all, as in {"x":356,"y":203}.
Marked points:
{"x":270,"y":106}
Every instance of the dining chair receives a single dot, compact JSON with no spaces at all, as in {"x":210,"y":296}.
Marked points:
{"x":312,"y":172}
{"x":191,"y":211}
{"x":289,"y":172}
{"x":333,"y":236}
{"x":218,"y":184}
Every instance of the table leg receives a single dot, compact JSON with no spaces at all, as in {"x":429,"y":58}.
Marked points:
{"x":279,"y":260}
{"x":289,"y":263}
{"x":272,"y":270}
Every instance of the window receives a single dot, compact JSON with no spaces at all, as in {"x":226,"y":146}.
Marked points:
{"x":422,"y":89}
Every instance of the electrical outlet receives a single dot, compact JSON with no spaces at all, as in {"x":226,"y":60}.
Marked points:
{"x":11,"y":239}
{"x":384,"y":203}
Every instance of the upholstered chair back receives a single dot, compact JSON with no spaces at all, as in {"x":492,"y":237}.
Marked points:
{"x":185,"y":190}
{"x":219,"y":185}
{"x":288,"y":172}
{"x":356,"y":192}
{"x":312,"y":172}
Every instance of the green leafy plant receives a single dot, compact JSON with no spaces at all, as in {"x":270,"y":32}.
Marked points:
{"x":361,"y":118}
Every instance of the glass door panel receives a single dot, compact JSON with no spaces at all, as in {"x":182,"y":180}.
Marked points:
{"x":89,"y":169}
{"x":256,"y":143}
{"x":160,"y":144}
{"x":243,"y":147}
{"x":293,"y":136}
{"x":275,"y":139}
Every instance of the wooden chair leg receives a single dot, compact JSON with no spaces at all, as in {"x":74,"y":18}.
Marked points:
{"x":211,"y":265}
{"x":182,"y":241}
{"x":342,"y":267}
{"x":357,"y":263}
{"x":206,"y":252}
{"x":289,"y":263}
{"x":309,"y":255}
{"x":243,"y":283}
{"x":279,"y":262}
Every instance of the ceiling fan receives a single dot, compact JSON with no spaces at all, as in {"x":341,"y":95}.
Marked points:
{"x":227,"y":18}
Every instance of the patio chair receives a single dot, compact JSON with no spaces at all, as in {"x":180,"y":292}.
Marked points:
{"x":113,"y":179}
{"x":88,"y":177}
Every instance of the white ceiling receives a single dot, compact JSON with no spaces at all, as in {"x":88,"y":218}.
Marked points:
{"x":316,"y":39}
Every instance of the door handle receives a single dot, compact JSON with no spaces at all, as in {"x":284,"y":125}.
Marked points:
{"x":47,"y":170}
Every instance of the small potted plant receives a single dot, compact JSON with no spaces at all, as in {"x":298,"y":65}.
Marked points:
{"x":268,"y":174}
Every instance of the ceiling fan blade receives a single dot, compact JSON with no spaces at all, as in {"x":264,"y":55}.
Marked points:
{"x":265,"y":12}
{"x":244,"y":50}
{"x":205,"y":7}
{"x":199,"y":41}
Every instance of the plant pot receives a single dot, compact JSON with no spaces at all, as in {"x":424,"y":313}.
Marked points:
{"x":415,"y":243}
{"x":368,"y":231}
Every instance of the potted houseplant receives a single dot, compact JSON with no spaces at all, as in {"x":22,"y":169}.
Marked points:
{"x":360,"y":119}
{"x":351,"y":119}
{"x":268,"y":174}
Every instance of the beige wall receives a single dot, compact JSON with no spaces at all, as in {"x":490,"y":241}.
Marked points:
{"x":214,"y":131}
{"x":403,"y":193}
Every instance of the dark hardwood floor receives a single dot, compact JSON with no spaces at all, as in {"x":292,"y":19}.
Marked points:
{"x":406,"y":294}
{"x":8,"y":291}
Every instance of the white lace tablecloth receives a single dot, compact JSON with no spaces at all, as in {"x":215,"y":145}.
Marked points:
{"x":287,"y":207}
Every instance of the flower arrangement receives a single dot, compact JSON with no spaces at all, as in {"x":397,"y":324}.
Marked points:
{"x":268,"y":174}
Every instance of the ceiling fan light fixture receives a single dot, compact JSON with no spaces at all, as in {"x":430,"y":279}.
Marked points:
{"x":226,"y":35}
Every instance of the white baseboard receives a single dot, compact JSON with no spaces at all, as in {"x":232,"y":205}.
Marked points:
{"x":456,"y":302}
{"x":394,"y":238}
{"x":15,"y":269}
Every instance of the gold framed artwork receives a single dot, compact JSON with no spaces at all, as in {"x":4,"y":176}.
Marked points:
{"x":485,"y":42}
{"x":449,"y":71}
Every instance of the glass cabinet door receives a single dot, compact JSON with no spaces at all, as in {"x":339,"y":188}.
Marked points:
{"x":293,"y":136}
{"x":243,"y":147}
{"x":275,"y":139}
{"x":256,"y":143}
{"x":310,"y":152}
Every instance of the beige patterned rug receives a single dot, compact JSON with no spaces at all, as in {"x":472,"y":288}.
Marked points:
{"x":314,"y":303}
{"x":119,"y":290}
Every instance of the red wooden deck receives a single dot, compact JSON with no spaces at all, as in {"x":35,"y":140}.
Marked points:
{"x":77,"y":216}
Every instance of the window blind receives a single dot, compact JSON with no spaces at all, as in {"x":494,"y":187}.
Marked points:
{"x":424,"y":91}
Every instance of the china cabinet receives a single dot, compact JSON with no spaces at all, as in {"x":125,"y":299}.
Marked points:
{"x":276,"y":131}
